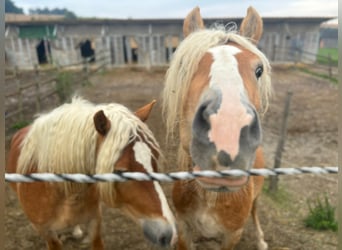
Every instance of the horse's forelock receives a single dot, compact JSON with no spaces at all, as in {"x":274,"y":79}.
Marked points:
{"x":128,"y":128}
{"x":64,"y":140}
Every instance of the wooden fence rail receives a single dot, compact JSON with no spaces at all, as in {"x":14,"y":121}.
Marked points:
{"x":28,"y":92}
{"x":329,"y":68}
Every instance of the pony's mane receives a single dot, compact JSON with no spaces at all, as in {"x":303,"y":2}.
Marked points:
{"x":65,"y":140}
{"x":185,"y":63}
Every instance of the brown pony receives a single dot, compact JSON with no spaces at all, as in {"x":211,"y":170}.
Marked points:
{"x":217,"y":84}
{"x":81,"y":137}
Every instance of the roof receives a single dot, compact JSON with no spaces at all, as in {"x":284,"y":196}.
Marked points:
{"x":102,"y":21}
{"x":20,"y":18}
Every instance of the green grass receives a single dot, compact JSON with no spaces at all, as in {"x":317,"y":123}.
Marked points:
{"x":20,"y":124}
{"x":281,"y":196}
{"x":64,"y":86}
{"x":324,"y":76}
{"x":321,"y":215}
{"x":323,"y":56}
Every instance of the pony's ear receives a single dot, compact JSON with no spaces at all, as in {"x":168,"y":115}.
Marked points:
{"x":192,"y":22}
{"x":102,"y":124}
{"x":144,"y":112}
{"x":252,"y":26}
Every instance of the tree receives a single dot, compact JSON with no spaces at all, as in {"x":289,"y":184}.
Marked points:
{"x":10,"y":7}
{"x":56,"y":11}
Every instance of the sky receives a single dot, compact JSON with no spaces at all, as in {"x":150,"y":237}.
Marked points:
{"x":137,"y":9}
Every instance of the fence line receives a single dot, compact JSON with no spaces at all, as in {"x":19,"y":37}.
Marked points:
{"x":39,"y":90}
{"x":330,"y":69}
{"x":164,"y":177}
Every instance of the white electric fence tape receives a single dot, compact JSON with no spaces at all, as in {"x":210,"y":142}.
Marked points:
{"x":163,"y":177}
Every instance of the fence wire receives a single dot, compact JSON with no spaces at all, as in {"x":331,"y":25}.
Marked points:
{"x":163,"y":177}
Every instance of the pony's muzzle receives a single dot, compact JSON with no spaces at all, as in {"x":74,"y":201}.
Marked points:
{"x":250,"y":139}
{"x":159,"y":232}
{"x":223,"y":137}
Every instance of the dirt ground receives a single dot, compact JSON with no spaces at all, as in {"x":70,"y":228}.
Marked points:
{"x":311,"y":141}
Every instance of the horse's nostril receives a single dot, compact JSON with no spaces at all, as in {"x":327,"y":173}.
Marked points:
{"x":205,"y":112}
{"x":255,"y":128}
{"x":158,"y":232}
{"x":201,"y":123}
{"x":165,"y":239}
{"x":224,"y":159}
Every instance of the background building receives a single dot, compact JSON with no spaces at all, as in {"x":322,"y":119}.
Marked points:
{"x":145,"y":42}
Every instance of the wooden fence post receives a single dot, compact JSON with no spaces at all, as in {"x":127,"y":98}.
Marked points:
{"x":38,"y":99}
{"x":274,"y":48}
{"x":330,"y":65}
{"x":15,"y":71}
{"x":20,"y":99}
{"x":85,"y":71}
{"x":273,"y":184}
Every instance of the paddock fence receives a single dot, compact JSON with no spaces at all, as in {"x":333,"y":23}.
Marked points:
{"x":142,"y":50}
{"x":163,"y":177}
{"x":33,"y":91}
{"x":306,"y":61}
{"x":152,"y":49}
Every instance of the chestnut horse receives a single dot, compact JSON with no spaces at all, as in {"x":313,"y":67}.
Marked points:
{"x":81,"y":137}
{"x":217,"y":85}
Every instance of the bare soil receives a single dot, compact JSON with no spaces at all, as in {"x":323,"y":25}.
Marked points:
{"x":311,"y":141}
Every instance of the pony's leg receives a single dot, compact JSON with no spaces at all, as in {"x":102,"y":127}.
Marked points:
{"x":95,"y":230}
{"x":261,"y":244}
{"x":181,"y":244}
{"x":185,"y":240}
{"x":52,"y":241}
{"x":230,"y":239}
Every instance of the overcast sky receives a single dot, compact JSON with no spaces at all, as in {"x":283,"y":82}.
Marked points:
{"x":179,"y":8}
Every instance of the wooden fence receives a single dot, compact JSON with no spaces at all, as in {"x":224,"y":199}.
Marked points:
{"x":143,"y":50}
{"x":30,"y":92}
{"x":328,"y":69}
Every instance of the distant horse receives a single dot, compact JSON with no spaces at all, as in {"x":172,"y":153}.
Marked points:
{"x":217,"y":84}
{"x":81,"y":137}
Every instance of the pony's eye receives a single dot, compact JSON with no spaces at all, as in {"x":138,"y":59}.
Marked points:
{"x":119,"y":171}
{"x":259,"y":70}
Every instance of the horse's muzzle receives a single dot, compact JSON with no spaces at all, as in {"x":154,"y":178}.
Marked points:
{"x":159,"y":232}
{"x":228,"y":134}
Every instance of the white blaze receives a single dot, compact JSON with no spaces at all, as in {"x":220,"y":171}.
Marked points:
{"x":226,"y":124}
{"x":143,"y":155}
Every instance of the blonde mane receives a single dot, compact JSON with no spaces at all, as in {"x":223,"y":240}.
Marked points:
{"x":65,"y":140}
{"x":185,"y":62}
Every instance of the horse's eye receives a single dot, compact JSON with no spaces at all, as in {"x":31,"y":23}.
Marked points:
{"x":259,"y":70}
{"x":119,"y":171}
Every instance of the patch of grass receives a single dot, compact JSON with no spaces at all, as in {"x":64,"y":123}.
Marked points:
{"x":321,"y":215}
{"x":19,"y":125}
{"x":324,"y":76}
{"x":324,"y":54}
{"x":281,"y":196}
{"x":64,"y":86}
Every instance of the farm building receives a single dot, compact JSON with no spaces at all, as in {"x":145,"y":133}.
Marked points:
{"x":329,"y":35}
{"x":145,"y":42}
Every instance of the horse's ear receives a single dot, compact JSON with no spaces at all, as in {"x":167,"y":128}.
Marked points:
{"x":192,"y":22}
{"x":144,"y":112}
{"x":102,"y":124}
{"x":252,"y":26}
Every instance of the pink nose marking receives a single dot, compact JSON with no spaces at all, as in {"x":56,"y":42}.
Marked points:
{"x":227,"y":123}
